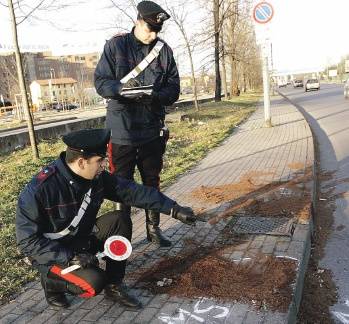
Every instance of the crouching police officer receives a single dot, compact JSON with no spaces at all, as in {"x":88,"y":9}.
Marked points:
{"x":57,"y":224}
{"x":139,"y":136}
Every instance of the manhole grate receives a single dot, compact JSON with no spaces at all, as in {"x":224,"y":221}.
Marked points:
{"x":262,"y":225}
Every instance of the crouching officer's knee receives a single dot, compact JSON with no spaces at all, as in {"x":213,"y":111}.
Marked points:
{"x":83,"y":282}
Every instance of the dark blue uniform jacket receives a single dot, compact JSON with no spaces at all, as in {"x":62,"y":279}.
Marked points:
{"x":134,"y":123}
{"x":51,"y":200}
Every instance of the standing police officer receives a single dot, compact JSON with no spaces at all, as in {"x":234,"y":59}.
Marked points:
{"x":139,"y":136}
{"x":57,"y":224}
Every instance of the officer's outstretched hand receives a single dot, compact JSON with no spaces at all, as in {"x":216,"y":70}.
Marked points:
{"x":183,"y":214}
{"x":84,"y":260}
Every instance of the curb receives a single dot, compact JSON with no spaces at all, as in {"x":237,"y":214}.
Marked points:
{"x":8,"y":143}
{"x":294,"y":307}
{"x":298,"y":291}
{"x":4,"y":130}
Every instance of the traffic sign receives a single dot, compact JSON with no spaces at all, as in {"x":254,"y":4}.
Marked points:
{"x":263,"y":12}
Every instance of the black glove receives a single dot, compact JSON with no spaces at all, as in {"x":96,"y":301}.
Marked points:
{"x":183,"y":214}
{"x":84,"y":260}
{"x":132,"y":83}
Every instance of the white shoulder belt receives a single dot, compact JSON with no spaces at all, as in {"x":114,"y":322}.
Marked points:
{"x":145,"y":62}
{"x":75,"y":222}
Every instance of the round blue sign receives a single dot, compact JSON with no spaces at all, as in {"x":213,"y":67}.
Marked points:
{"x":263,"y":12}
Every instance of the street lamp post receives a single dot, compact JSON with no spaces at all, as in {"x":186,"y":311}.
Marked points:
{"x":52,"y":76}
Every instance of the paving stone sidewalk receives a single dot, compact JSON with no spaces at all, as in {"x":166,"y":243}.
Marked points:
{"x":269,"y":152}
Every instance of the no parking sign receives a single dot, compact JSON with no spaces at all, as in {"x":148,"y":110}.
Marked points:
{"x":263,"y":12}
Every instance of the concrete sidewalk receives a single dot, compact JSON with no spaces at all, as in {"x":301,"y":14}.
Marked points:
{"x":273,"y":155}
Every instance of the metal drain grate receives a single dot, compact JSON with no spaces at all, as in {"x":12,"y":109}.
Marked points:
{"x":262,"y":225}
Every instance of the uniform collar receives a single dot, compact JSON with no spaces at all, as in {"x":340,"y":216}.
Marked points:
{"x":137,"y":43}
{"x":74,"y":180}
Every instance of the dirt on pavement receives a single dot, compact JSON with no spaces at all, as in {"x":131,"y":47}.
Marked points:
{"x":319,"y":291}
{"x":252,"y":197}
{"x":265,"y":282}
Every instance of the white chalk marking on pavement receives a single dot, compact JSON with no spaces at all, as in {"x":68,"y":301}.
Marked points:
{"x":286,"y":257}
{"x":242,"y":260}
{"x":225,"y":310}
{"x":180,"y":318}
{"x":344,"y":318}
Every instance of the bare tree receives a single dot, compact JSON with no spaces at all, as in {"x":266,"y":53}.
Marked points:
{"x":22,"y":86}
{"x":179,"y":15}
{"x":124,"y":15}
{"x":9,"y":78}
{"x":232,"y":35}
{"x":83,"y":83}
{"x":218,"y":87}
{"x":25,"y":10}
{"x":222,"y":51}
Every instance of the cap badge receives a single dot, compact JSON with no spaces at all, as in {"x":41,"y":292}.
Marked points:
{"x":161,"y":17}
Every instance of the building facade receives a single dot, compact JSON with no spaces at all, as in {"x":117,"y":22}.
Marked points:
{"x":53,"y":90}
{"x":44,"y":66}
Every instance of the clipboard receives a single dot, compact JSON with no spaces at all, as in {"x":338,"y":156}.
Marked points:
{"x":136,"y":92}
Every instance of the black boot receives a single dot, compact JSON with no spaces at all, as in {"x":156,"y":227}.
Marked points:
{"x":120,"y":294}
{"x":154,"y":233}
{"x":55,"y":292}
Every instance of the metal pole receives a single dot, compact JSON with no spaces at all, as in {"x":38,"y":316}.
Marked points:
{"x":272,"y":68}
{"x":266,"y":87}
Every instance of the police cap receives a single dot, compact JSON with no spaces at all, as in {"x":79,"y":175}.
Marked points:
{"x":153,"y":14}
{"x":88,"y":142}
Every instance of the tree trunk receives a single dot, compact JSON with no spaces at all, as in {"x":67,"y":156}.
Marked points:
{"x":224,"y":70}
{"x":218,"y":87}
{"x":195,"y":89}
{"x":244,"y":82}
{"x":22,"y":86}
{"x":179,"y":22}
{"x":234,"y":89}
{"x":194,"y":83}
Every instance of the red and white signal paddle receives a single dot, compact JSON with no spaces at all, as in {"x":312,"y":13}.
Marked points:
{"x":116,"y":247}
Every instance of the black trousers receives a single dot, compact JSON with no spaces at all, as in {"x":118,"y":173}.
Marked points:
{"x":123,"y":160}
{"x":90,"y":281}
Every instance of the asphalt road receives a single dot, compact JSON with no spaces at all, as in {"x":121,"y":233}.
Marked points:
{"x":328,"y":113}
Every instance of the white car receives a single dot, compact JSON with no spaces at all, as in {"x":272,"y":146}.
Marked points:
{"x":346,"y":89}
{"x":281,"y":83}
{"x":312,"y":84}
{"x":298,"y":83}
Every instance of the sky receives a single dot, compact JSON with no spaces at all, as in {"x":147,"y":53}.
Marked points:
{"x":305,"y":34}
